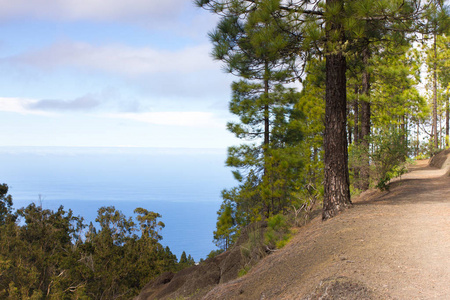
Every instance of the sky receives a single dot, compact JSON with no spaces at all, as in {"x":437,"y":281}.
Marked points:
{"x":111,"y":73}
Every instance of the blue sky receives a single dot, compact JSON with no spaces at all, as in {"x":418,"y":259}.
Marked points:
{"x":114,"y":73}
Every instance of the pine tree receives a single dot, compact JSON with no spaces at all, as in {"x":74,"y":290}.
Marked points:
{"x":226,"y":226}
{"x":437,"y":23}
{"x":5,"y":204}
{"x":254,"y":49}
{"x":397,"y":106}
{"x":443,"y":65}
{"x":148,"y":223}
{"x":183,"y":258}
{"x":332,"y":29}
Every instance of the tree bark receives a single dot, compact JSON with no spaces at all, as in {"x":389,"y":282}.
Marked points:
{"x":337,"y":191}
{"x":365,"y":123}
{"x":447,"y":121}
{"x":266,"y":142}
{"x":403,"y":132}
{"x":418,"y":138}
{"x":435,"y":131}
{"x":356,"y":136}
{"x":349,"y":128}
{"x":266,"y":115}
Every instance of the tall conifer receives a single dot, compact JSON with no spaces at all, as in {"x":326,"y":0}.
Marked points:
{"x":331,"y":28}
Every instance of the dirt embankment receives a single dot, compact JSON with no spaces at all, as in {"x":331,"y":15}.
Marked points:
{"x":194,"y":282}
{"x":390,"y":245}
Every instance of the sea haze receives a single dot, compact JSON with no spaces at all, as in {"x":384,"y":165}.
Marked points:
{"x":183,"y":185}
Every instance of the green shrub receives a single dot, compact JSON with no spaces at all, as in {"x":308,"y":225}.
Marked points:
{"x":243,"y":271}
{"x":390,"y":151}
{"x":395,"y":171}
{"x":421,"y":156}
{"x":278,"y":233}
{"x":214,"y":253}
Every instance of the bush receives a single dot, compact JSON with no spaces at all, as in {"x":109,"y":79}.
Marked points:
{"x":214,"y":253}
{"x":278,"y":233}
{"x":251,"y":250}
{"x":421,"y":156}
{"x":395,"y":171}
{"x":243,"y":271}
{"x":389,"y":156}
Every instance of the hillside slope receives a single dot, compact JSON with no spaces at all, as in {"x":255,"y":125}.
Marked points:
{"x":390,"y":245}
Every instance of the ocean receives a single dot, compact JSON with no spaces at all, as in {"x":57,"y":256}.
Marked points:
{"x":183,"y":185}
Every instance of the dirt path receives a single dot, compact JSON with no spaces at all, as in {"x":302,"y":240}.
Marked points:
{"x":392,"y":245}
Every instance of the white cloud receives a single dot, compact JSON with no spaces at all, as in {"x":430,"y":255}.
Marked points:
{"x":103,"y":10}
{"x":184,"y":119}
{"x":18,"y":105}
{"x":52,"y":107}
{"x":118,"y":59}
{"x":47,"y":106}
{"x":84,"y":103}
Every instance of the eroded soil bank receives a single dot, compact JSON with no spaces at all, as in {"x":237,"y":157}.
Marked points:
{"x":390,"y":245}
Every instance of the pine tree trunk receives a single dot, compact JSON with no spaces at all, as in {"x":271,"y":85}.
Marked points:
{"x":313,"y":171}
{"x":266,"y":107}
{"x":447,"y":121}
{"x":403,"y":131}
{"x":435,"y":133}
{"x":266,"y":135}
{"x":337,"y":191}
{"x":418,"y":138}
{"x":349,"y":128}
{"x":365,"y":123}
{"x":356,"y":136}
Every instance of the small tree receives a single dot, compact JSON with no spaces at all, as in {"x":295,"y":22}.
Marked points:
{"x":390,"y":152}
{"x":149,"y":225}
{"x":226,"y":226}
{"x":186,"y":261}
{"x":5,"y":203}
